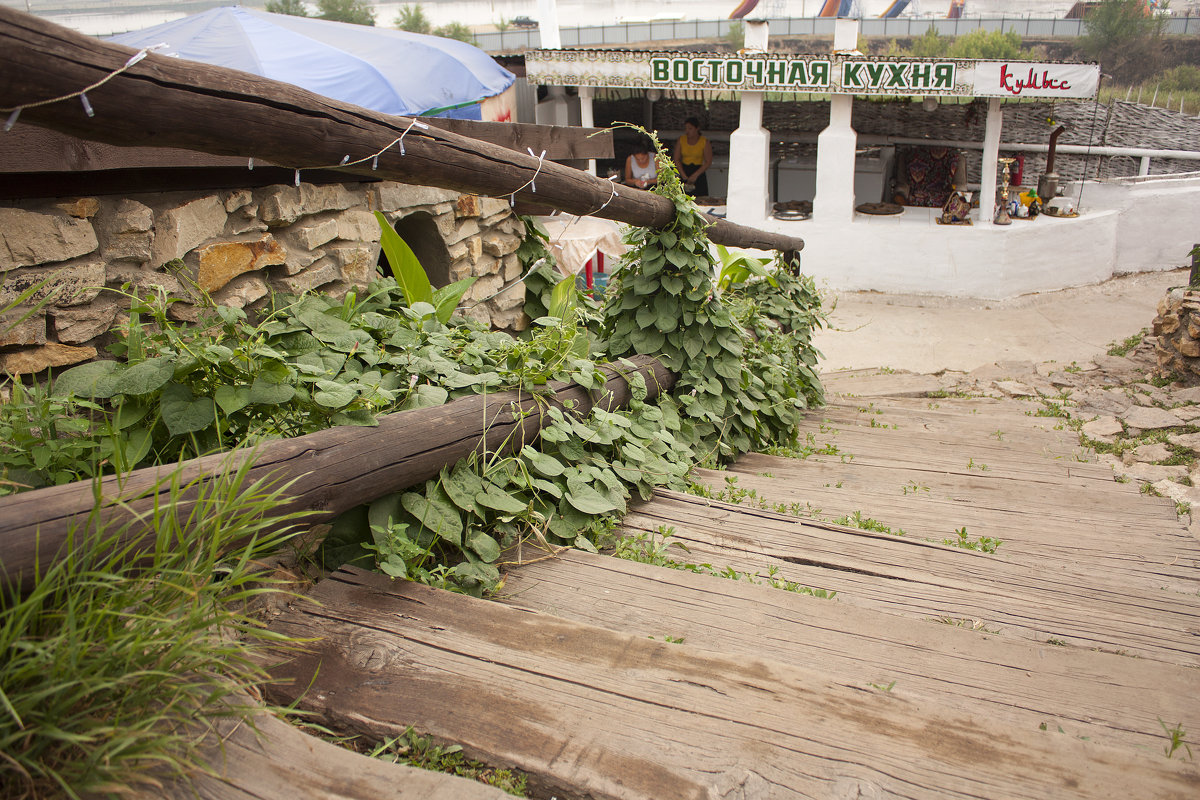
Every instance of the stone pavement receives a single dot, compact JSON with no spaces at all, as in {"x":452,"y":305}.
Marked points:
{"x":931,"y":334}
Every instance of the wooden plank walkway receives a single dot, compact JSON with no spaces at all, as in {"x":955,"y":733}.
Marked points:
{"x":1099,"y":696}
{"x":1047,"y":669}
{"x":609,"y":714}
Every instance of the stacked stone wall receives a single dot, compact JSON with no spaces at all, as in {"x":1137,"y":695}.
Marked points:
{"x":1177,"y":327}
{"x":235,"y":245}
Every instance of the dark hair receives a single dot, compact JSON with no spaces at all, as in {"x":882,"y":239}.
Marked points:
{"x":641,"y":146}
{"x":692,"y":121}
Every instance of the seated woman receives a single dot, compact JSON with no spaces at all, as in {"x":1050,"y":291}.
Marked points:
{"x":925,"y":176}
{"x":640,"y":168}
{"x":693,"y":157}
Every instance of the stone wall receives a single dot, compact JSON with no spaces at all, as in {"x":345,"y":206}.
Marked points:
{"x":1177,"y":327}
{"x":236,"y":245}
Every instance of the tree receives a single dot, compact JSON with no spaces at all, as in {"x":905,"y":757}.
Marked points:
{"x":359,"y":12}
{"x":1124,"y":38}
{"x":930,"y":44}
{"x":455,"y":30}
{"x":990,"y":45}
{"x":293,"y":8}
{"x":413,"y":20}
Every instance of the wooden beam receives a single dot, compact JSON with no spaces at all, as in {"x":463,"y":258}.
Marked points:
{"x":329,"y":471}
{"x":560,"y":143}
{"x":168,"y":102}
{"x":28,"y":148}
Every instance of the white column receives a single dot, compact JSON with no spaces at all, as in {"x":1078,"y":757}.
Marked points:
{"x":548,"y":25}
{"x":586,"y":119}
{"x":834,"y":199}
{"x":991,"y":164}
{"x":554,"y":109}
{"x":749,"y":148}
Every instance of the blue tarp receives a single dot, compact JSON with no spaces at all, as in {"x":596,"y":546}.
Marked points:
{"x":394,"y":72}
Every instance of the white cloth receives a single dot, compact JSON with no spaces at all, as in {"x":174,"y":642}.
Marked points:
{"x":574,"y":240}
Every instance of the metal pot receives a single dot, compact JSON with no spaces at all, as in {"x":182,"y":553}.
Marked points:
{"x":1048,"y":186}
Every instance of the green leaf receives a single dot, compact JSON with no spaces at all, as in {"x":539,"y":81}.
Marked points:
{"x":232,"y":398}
{"x":87,"y":380}
{"x":424,"y":396}
{"x":359,"y":417}
{"x":547,"y":465}
{"x":483,"y":573}
{"x":332,"y":394}
{"x":136,"y":446}
{"x":384,"y":511}
{"x":436,"y":515}
{"x":406,"y":268}
{"x":493,"y":498}
{"x":461,"y":485}
{"x":144,"y":377}
{"x":184,"y":413}
{"x":267,"y":391}
{"x":586,"y":499}
{"x":446,"y":299}
{"x":483,"y":545}
{"x":563,"y":300}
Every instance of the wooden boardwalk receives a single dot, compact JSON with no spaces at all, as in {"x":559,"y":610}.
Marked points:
{"x":1049,"y":668}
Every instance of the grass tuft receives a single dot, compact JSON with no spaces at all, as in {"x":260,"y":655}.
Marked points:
{"x":127,"y":652}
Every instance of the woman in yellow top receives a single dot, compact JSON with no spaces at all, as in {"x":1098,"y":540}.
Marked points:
{"x":693,"y":156}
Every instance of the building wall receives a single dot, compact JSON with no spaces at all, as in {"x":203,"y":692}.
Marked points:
{"x":236,"y":246}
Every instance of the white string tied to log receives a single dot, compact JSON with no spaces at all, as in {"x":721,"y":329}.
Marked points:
{"x":512,"y":198}
{"x":15,"y":111}
{"x":373,"y":157}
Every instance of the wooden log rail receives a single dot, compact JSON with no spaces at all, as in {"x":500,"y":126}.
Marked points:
{"x":330,"y":471}
{"x":169,"y":102}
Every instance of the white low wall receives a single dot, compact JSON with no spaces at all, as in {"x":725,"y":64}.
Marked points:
{"x":1159,"y":218}
{"x":1139,"y":225}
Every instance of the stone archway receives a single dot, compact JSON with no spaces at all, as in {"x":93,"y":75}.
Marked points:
{"x":420,"y":232}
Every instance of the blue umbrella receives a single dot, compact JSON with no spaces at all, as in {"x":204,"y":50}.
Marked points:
{"x":394,"y":72}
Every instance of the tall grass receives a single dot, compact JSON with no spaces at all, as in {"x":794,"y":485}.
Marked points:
{"x":116,"y":666}
{"x":1172,"y":88}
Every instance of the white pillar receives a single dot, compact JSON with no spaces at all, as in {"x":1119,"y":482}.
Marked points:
{"x":991,"y":164}
{"x":586,"y":119}
{"x":548,"y":25}
{"x":554,"y":110}
{"x":834,"y":199}
{"x":749,"y":148}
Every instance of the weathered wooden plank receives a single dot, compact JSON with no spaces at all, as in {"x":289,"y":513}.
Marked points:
{"x":168,"y":102}
{"x":1122,"y":547}
{"x":1109,"y":698}
{"x":277,"y":761}
{"x":866,"y":479}
{"x":328,"y":472}
{"x":1065,"y":496}
{"x":880,"y":383}
{"x":923,"y":579}
{"x":614,"y":715}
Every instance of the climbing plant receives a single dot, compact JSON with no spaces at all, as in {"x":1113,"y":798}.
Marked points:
{"x":745,"y":364}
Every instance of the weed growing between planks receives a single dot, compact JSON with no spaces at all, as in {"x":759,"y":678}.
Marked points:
{"x":647,"y":548}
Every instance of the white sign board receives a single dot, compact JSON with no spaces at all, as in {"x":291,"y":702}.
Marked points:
{"x":836,"y":74}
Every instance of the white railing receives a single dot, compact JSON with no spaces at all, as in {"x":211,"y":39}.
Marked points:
{"x":676,"y":30}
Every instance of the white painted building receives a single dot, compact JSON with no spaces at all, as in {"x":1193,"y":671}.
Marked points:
{"x":1123,"y":226}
